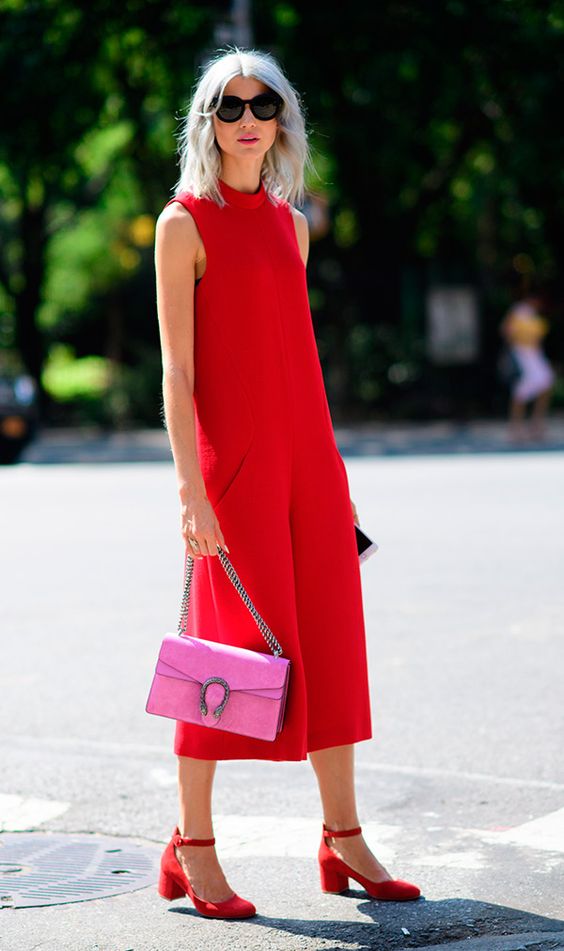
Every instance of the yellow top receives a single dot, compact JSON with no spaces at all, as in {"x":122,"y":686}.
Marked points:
{"x":526,"y":327}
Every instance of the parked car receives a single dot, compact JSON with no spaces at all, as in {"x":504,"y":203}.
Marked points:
{"x":19,"y":415}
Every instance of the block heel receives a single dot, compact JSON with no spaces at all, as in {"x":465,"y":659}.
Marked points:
{"x":335,"y":873}
{"x":173,"y":883}
{"x":332,"y":881}
{"x":169,"y":888}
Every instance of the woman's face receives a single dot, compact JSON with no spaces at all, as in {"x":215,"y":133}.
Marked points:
{"x":229,"y":134}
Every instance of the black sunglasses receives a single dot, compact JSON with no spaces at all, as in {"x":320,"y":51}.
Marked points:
{"x":265,"y":106}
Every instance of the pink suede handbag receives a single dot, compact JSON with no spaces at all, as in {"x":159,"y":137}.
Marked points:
{"x":217,"y":685}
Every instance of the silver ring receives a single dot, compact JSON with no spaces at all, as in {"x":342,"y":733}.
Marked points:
{"x":194,"y":542}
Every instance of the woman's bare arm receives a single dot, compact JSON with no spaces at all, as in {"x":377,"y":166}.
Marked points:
{"x":302,"y":233}
{"x":177,"y":243}
{"x":506,"y":326}
{"x":176,"y":247}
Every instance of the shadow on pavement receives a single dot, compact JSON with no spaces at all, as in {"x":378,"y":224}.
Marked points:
{"x":478,"y":926}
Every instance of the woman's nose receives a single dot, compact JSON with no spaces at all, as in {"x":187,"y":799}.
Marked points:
{"x":247,"y":115}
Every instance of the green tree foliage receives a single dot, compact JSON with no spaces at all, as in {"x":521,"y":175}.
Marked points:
{"x":437,"y":142}
{"x":86,"y":145}
{"x":442,"y":120}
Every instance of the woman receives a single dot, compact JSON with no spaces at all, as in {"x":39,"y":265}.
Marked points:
{"x":523,"y":328}
{"x":257,"y":466}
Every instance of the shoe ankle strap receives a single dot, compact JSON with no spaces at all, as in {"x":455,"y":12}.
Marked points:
{"x":179,"y":840}
{"x":336,"y":833}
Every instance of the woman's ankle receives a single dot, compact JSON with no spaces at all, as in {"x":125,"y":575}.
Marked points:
{"x":340,"y":825}
{"x":190,"y":830}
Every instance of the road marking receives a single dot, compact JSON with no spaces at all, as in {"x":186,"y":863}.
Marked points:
{"x":455,"y":774}
{"x":545,"y":833}
{"x":239,"y":835}
{"x":163,"y":777}
{"x":121,"y":749}
{"x":22,"y":813}
{"x":470,"y":859}
{"x":299,"y":837}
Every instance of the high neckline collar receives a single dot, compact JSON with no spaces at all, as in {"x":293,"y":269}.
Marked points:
{"x":242,"y":199}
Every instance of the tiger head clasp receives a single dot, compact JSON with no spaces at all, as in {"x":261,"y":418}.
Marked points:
{"x":203,"y":705}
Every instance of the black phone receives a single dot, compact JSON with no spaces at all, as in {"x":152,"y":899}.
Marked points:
{"x":364,"y":544}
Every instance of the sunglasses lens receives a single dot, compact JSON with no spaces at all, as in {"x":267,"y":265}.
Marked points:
{"x":229,"y":108}
{"x":266,"y":106}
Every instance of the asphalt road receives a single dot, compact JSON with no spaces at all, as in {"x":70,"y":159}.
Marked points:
{"x":461,"y":788}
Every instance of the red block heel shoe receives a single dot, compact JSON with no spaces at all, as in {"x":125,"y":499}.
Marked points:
{"x":335,"y":873}
{"x":173,"y":883}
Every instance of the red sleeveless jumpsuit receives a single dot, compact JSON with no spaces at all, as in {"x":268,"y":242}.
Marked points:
{"x":276,"y":481}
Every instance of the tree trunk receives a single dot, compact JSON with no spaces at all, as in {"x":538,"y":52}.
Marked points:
{"x":28,"y":337}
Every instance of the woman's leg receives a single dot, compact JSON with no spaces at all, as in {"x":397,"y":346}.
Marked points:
{"x":538,"y":413}
{"x":517,"y":429}
{"x":334,"y":769}
{"x":200,"y":863}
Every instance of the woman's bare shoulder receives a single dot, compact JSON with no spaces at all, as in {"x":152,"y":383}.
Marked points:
{"x":299,"y":217}
{"x":302,"y":231}
{"x":175,"y":212}
{"x":175,"y":225}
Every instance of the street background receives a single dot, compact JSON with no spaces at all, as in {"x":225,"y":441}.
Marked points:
{"x":461,"y":788}
{"x":435,"y":202}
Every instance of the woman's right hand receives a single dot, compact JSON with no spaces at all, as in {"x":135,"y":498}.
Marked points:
{"x":199,"y":522}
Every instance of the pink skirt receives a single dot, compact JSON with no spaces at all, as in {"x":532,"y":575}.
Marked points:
{"x":537,"y":374}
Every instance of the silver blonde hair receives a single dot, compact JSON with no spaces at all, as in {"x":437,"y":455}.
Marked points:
{"x":200,"y":158}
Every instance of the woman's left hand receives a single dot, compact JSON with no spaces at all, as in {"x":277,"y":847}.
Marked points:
{"x":355,"y":513}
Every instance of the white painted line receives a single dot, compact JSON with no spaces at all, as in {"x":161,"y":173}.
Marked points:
{"x":455,"y":774}
{"x":545,"y":833}
{"x":163,"y":777}
{"x":106,"y":747}
{"x":297,"y":837}
{"x":472,"y":859}
{"x":289,"y":836}
{"x":20,"y":813}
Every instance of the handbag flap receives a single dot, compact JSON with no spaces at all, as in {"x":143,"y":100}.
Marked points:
{"x":243,"y":669}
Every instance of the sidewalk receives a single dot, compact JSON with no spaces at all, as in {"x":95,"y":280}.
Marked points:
{"x":359,"y":439}
{"x":461,"y":789}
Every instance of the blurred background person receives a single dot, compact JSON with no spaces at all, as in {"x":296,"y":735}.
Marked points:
{"x":523,"y":329}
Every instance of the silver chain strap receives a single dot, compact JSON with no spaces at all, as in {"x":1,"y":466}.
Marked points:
{"x":263,"y":627}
